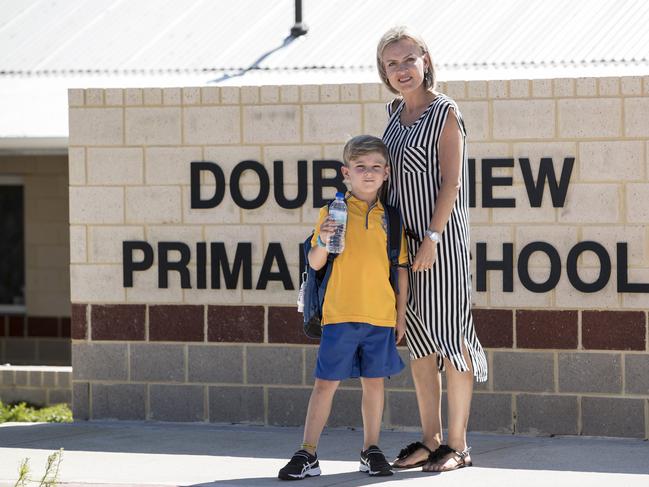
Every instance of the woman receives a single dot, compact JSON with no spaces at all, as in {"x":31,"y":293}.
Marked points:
{"x":426,"y":138}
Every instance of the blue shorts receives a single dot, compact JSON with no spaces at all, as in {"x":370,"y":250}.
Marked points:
{"x":357,"y":350}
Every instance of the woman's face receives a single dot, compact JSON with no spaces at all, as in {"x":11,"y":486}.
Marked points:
{"x":405,"y":65}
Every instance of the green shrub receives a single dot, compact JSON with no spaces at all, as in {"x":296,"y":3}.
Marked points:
{"x":26,"y":413}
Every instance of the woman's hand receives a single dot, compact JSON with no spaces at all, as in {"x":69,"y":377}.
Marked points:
{"x":426,"y":256}
{"x":400,"y":330}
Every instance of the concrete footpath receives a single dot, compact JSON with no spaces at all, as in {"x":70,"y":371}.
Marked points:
{"x":232,"y":455}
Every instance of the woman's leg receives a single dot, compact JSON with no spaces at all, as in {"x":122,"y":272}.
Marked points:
{"x":459,"y":393}
{"x":428,"y":387}
{"x":372,"y":409}
{"x":318,"y":412}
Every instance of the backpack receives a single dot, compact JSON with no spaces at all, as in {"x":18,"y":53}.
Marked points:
{"x":314,"y":283}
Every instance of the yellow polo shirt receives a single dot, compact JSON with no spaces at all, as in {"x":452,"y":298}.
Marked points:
{"x":359,"y":288}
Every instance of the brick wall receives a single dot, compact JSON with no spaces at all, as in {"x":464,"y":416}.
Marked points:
{"x":561,"y":362}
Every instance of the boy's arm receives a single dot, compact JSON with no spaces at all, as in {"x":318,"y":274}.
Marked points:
{"x":318,"y":257}
{"x":402,"y":300}
{"x":323,"y":231}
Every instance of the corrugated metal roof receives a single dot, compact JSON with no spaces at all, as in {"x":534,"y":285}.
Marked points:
{"x":197,"y":35}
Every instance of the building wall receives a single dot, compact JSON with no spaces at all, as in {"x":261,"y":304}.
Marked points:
{"x":562,"y":361}
{"x":41,"y":335}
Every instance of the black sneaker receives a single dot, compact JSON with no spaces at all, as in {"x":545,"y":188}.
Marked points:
{"x":301,"y":465}
{"x":374,"y":463}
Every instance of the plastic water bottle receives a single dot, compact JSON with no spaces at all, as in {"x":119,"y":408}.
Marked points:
{"x":338,"y":211}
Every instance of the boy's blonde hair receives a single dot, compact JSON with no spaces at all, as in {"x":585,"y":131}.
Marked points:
{"x":396,"y":34}
{"x":364,"y":144}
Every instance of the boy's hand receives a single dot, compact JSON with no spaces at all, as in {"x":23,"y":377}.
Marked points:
{"x":327,"y":229}
{"x":400,"y":330}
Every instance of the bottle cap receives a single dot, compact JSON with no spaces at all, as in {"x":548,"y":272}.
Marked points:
{"x":340,"y":196}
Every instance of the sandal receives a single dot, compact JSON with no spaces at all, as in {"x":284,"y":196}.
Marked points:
{"x":461,"y":458}
{"x":409,"y":450}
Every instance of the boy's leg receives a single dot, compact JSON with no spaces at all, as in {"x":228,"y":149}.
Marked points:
{"x":318,"y":412}
{"x":372,"y":409}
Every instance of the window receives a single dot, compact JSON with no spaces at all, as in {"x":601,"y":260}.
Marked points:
{"x":12,"y":245}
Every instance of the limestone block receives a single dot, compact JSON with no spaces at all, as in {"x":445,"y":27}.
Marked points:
{"x":586,"y":86}
{"x":274,"y":292}
{"x":476,"y":119}
{"x":230,"y":95}
{"x":133,"y":96}
{"x":535,"y":151}
{"x":477,"y":89}
{"x":176,"y":402}
{"x":369,"y":92}
{"x":562,"y":238}
{"x":170,"y":165}
{"x":271,"y":212}
{"x":171,"y":96}
{"x":99,"y":361}
{"x":290,"y":237}
{"x":611,"y":416}
{"x":96,"y":283}
{"x":269,"y":94}
{"x":94,"y":97}
{"x":310,"y":93}
{"x":331,"y":123}
{"x":153,"y":204}
{"x":96,"y":126}
{"x":523,"y":119}
{"x":637,"y":210}
{"x":105,"y":242}
{"x":546,"y":414}
{"x":636,"y":117}
{"x":77,"y":166}
{"x":96,"y":205}
{"x":521,"y":297}
{"x":271,"y":124}
{"x":523,"y":213}
{"x":609,"y":86}
{"x":456,"y":90}
{"x":211,"y":125}
{"x":115,"y":166}
{"x":225,"y":212}
{"x":608,"y":235}
{"x":118,"y":401}
{"x":145,"y":288}
{"x":590,"y":372}
{"x":523,"y":371}
{"x":542,"y":88}
{"x":568,"y":297}
{"x":220,"y":296}
{"x":519,"y":88}
{"x":636,"y":300}
{"x":237,"y":404}
{"x":188,"y":234}
{"x":249,"y":95}
{"x":231,"y":235}
{"x":598,"y":117}
{"x":150,"y":126}
{"x":274,"y":365}
{"x":211,"y":95}
{"x":375,"y":118}
{"x":78,"y":244}
{"x":114,"y":96}
{"x":76,"y":97}
{"x":591,"y":203}
{"x":329,"y":94}
{"x":564,"y":87}
{"x":153,"y":96}
{"x":191,"y":96}
{"x":227,"y":157}
{"x":631,"y":85}
{"x":497,"y":89}
{"x":156,"y":362}
{"x":216,"y":364}
{"x":491,"y":412}
{"x":611,"y":161}
{"x":289,"y":94}
{"x":290,"y":154}
{"x":350,"y":92}
{"x":486,"y":150}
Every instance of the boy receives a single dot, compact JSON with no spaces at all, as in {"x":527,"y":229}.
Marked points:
{"x":360,"y":310}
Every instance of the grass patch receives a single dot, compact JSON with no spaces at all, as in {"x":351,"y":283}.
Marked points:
{"x":27,"y":413}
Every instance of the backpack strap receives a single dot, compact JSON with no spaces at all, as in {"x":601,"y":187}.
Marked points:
{"x":393,"y":219}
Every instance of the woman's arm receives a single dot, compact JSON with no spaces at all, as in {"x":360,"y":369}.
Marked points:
{"x":450,"y":160}
{"x":402,"y":301}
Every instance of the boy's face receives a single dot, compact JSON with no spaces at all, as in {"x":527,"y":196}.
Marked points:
{"x":366,"y":173}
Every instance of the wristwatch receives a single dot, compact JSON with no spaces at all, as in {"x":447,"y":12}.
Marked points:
{"x":434,"y":236}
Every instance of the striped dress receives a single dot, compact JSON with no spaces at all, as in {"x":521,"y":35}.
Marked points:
{"x":438,"y":315}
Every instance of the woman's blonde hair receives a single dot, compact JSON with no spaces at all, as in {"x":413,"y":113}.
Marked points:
{"x":396,"y":34}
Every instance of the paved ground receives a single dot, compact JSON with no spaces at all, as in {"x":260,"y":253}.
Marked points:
{"x":213,"y":455}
